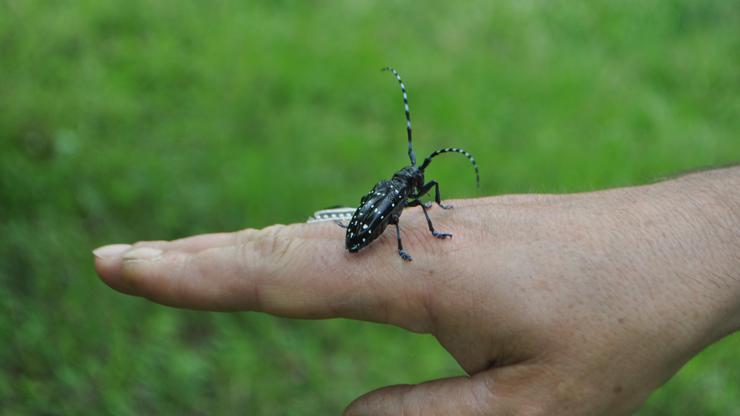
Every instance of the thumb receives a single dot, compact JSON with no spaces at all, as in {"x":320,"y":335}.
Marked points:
{"x":450,"y":396}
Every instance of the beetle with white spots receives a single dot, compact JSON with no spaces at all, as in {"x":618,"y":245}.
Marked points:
{"x":384,"y":204}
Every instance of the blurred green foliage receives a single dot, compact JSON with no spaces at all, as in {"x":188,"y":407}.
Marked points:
{"x":122,"y":121}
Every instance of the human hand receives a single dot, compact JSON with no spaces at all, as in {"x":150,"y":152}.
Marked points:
{"x":573,"y":304}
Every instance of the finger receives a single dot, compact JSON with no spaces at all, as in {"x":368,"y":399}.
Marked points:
{"x":451,"y":396}
{"x":284,"y":270}
{"x":107,"y":263}
{"x":524,"y":388}
{"x":206,"y":241}
{"x":190,"y":244}
{"x":108,"y":258}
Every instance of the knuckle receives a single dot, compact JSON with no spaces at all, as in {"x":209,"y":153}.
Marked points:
{"x":268,"y":243}
{"x":265,"y":250}
{"x":271,"y":243}
{"x":244,"y":236}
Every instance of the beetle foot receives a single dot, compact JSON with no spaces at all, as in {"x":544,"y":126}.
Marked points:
{"x":404,"y":255}
{"x":445,"y":206}
{"x":441,"y":236}
{"x":428,"y":205}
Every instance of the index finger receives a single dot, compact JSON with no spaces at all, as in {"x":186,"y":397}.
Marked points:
{"x":298,"y":271}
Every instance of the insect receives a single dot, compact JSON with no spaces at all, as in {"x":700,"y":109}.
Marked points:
{"x":384,"y":204}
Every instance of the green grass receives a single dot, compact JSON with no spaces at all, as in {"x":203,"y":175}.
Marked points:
{"x":122,"y":121}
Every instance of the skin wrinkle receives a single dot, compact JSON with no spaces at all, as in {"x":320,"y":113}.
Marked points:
{"x":171,"y":290}
{"x":473,"y":388}
{"x":245,"y":236}
{"x":511,"y":381}
{"x":409,"y":407}
{"x":233,"y":293}
{"x":193,"y":263}
{"x":368,"y":278}
{"x":412,"y":296}
{"x":383,"y":302}
{"x":361,"y":279}
{"x":346,"y":296}
{"x":269,"y":244}
{"x":413,"y":310}
{"x":176,"y":286}
{"x":249,"y":261}
{"x":430,"y":315}
{"x":336,"y":296}
{"x":198,"y":267}
{"x":486,"y":382}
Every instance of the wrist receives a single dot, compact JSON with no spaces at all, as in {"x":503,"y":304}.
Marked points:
{"x":709,"y":205}
{"x":676,"y":246}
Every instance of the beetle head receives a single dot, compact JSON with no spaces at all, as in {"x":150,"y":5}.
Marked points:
{"x":411,"y":175}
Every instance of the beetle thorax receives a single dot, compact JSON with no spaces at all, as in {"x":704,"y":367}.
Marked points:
{"x":411,"y":176}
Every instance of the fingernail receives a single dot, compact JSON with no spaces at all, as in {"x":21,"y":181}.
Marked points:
{"x":112,"y":250}
{"x":143,"y":253}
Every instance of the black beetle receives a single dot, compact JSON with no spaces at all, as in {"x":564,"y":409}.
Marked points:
{"x":386,"y":201}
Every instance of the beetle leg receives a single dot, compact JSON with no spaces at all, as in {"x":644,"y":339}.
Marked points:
{"x":401,"y":252}
{"x":339,"y":223}
{"x":427,"y":187}
{"x":431,"y":227}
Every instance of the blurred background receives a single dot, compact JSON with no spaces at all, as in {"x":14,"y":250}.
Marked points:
{"x":125,"y":121}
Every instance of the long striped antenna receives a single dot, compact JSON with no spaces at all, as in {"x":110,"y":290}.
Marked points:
{"x":412,"y":156}
{"x":470,"y":157}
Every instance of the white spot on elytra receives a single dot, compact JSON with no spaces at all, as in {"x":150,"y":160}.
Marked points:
{"x":364,"y":226}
